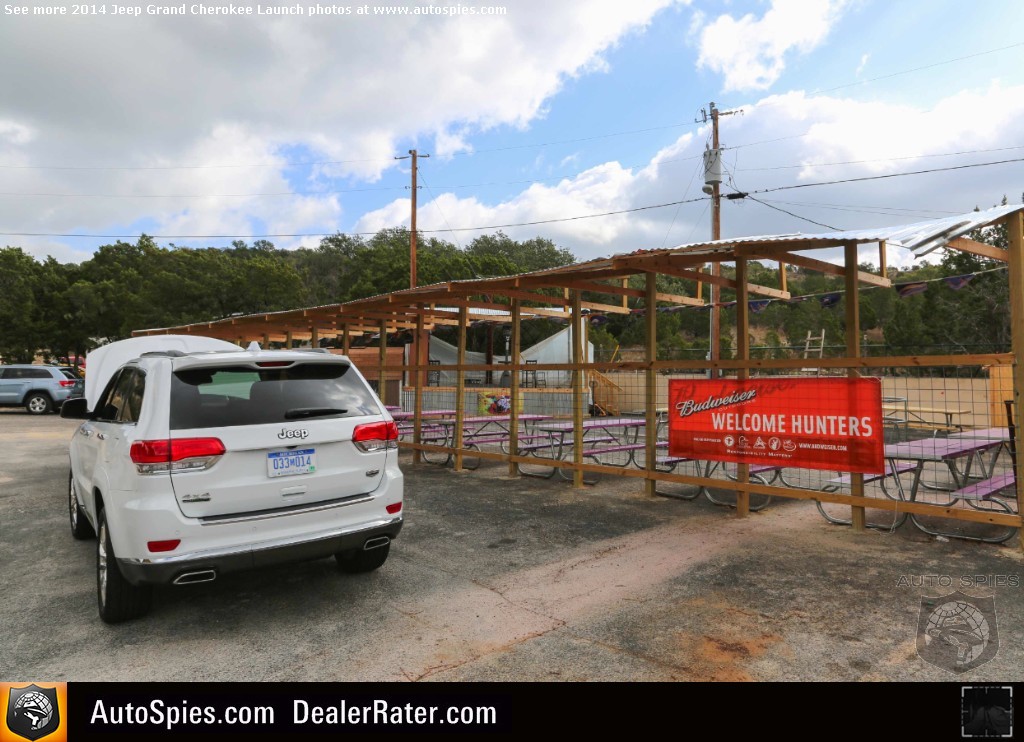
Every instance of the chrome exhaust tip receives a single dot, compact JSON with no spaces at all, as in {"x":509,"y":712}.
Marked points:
{"x":194,"y":578}
{"x":376,"y":543}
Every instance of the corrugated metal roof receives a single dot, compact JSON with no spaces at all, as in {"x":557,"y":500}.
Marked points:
{"x":920,"y":237}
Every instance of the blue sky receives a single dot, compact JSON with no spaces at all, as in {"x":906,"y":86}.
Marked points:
{"x":199,"y":125}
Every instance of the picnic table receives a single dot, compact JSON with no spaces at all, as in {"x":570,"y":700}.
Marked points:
{"x":915,"y":416}
{"x":399,"y":415}
{"x":957,"y":455}
{"x":477,"y":431}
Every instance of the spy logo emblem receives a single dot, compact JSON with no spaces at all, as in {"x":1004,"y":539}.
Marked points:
{"x":32,"y":712}
{"x":957,"y":632}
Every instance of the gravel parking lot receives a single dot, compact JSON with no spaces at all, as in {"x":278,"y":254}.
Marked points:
{"x":504,"y":579}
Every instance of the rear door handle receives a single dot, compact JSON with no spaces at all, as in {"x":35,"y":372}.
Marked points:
{"x":85,"y":431}
{"x":101,"y":436}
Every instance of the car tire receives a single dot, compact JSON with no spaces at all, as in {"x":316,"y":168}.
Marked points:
{"x":38,"y":403}
{"x":362,"y":560}
{"x":118,"y":599}
{"x":81,"y":529}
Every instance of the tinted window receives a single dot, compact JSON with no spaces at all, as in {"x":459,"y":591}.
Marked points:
{"x":134,"y":389}
{"x":26,"y":373}
{"x":112,"y":407}
{"x":230,"y":396}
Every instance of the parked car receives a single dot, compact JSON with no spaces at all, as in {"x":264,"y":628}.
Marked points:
{"x":189,"y":465}
{"x":39,"y":389}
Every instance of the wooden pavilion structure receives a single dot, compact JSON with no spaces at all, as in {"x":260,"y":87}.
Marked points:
{"x":560,"y":293}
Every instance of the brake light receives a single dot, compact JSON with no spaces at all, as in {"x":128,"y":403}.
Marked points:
{"x":157,"y":546}
{"x":66,"y":383}
{"x":376,"y":436}
{"x":177,"y":454}
{"x":274,"y":364}
{"x":394,"y":507}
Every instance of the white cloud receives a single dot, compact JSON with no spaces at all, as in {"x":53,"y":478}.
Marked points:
{"x":750,"y":52}
{"x":781,"y":141}
{"x":154,"y":91}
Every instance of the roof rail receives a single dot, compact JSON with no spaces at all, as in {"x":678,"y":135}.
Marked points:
{"x":163,"y":354}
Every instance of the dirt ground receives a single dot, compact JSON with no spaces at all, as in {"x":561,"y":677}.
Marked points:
{"x":500,"y":579}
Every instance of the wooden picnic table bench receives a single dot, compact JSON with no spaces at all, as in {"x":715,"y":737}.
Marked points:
{"x":916,"y":416}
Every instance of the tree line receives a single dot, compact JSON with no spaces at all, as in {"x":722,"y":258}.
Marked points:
{"x":67,"y":309}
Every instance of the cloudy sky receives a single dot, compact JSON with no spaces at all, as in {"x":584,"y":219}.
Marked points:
{"x":202,"y":128}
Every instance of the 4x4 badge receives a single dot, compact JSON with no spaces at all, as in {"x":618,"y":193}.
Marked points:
{"x":285,"y":433}
{"x":32,"y":712}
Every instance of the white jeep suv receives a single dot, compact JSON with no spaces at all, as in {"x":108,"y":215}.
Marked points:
{"x":188,"y":465}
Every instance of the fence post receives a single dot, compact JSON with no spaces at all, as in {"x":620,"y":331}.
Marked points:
{"x":419,"y":377}
{"x":460,"y":386}
{"x":1015,"y":231}
{"x":651,"y":391}
{"x":857,"y":513}
{"x":743,"y":373}
{"x":578,"y":395}
{"x":513,"y":419}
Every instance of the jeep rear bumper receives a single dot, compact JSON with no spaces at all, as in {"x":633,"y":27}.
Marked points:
{"x":167,"y":569}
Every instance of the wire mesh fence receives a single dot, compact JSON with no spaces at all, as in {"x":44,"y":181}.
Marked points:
{"x":944,"y":429}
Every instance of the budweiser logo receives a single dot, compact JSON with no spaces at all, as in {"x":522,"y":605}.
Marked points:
{"x":690,"y":406}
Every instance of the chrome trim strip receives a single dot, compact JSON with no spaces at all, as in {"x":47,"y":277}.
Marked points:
{"x":217,"y":520}
{"x":266,"y":545}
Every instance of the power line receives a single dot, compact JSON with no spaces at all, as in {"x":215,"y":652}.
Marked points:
{"x":795,"y":216}
{"x":537,"y":222}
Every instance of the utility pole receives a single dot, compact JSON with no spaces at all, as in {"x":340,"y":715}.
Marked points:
{"x":716,"y":230}
{"x":421,"y":338}
{"x":412,"y":235}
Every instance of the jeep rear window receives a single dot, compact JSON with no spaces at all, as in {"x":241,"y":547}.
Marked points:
{"x":229,"y":396}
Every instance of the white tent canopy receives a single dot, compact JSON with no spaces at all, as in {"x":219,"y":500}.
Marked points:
{"x":555,"y":349}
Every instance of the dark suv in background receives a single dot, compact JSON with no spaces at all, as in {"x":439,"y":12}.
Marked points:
{"x":39,"y":389}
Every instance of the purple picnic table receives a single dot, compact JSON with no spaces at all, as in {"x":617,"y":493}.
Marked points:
{"x":407,"y":415}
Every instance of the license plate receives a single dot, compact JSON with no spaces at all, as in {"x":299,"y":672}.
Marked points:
{"x":286,"y":463}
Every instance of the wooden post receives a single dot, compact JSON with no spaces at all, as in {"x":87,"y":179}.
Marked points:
{"x":314,"y":337}
{"x":651,"y":389}
{"x":578,"y":394}
{"x":513,"y":422}
{"x":700,"y":284}
{"x":742,"y":374}
{"x":625,"y":299}
{"x":381,"y":381}
{"x":1015,"y":232}
{"x":288,"y":340}
{"x":266,"y":340}
{"x":883,"y":267}
{"x":783,"y":279}
{"x":419,"y":377}
{"x":853,"y":351}
{"x":460,"y":387}
{"x":346,"y":341}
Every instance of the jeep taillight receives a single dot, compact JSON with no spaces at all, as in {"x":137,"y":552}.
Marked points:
{"x":176,"y":454}
{"x":376,"y":436}
{"x":66,"y":383}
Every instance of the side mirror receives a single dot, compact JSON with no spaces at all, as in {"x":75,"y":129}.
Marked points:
{"x":75,"y":409}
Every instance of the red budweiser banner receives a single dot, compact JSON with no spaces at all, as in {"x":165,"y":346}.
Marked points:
{"x":808,"y":423}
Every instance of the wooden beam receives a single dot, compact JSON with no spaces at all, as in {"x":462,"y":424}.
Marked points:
{"x":513,"y":423}
{"x":460,"y":388}
{"x":665,"y":267}
{"x":420,"y":353}
{"x":979,"y":248}
{"x":651,"y":379}
{"x":783,"y":278}
{"x":853,"y":351}
{"x":1015,"y":233}
{"x":883,"y":262}
{"x":383,"y":354}
{"x":822,"y":266}
{"x":603,"y":288}
{"x":578,"y":390}
{"x":742,"y":374}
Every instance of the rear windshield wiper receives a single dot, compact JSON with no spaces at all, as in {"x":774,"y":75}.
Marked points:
{"x":297,"y":412}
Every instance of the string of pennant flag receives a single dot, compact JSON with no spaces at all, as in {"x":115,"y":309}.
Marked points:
{"x":827,"y":298}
